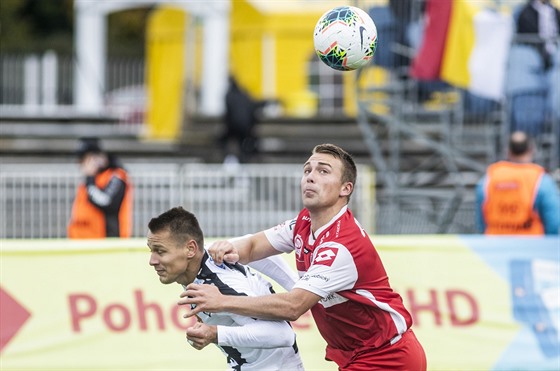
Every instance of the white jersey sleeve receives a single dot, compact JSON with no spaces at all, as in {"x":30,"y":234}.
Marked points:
{"x":274,"y":267}
{"x":257,"y":334}
{"x":278,"y":269}
{"x":333,"y":269}
{"x":281,"y":237}
{"x":248,"y":332}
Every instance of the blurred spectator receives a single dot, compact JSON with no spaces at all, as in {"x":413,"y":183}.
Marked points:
{"x":541,"y":19}
{"x":516,"y":196}
{"x":531,"y":81}
{"x":103,"y":203}
{"x":408,"y":29}
{"x":240,"y":119}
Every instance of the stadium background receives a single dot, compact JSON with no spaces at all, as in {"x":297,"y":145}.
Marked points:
{"x":421,"y":145}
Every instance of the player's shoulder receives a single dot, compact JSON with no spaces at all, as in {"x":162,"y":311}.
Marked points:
{"x":209,"y":266}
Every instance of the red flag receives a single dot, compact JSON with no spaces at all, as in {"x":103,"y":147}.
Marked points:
{"x":426,"y":65}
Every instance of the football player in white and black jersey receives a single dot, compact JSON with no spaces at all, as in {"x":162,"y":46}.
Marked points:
{"x":342,"y":279}
{"x":176,"y":242}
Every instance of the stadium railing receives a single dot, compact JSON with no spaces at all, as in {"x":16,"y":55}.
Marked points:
{"x":36,"y":200}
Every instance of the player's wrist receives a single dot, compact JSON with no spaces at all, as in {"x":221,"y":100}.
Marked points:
{"x":225,"y":304}
{"x":214,"y":333}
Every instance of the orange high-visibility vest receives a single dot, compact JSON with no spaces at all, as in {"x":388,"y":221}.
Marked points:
{"x":88,"y":221}
{"x":511,"y":190}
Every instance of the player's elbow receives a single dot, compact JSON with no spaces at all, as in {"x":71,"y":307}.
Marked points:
{"x":291,"y":317}
{"x":294,"y":311}
{"x":297,"y":302}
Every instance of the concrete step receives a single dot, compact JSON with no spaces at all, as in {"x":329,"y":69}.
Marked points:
{"x":282,"y":140}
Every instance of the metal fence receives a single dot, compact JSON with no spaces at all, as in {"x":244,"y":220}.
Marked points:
{"x":36,"y":200}
{"x":47,"y":80}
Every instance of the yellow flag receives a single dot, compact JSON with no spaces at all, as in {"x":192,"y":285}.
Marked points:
{"x":459,"y":44}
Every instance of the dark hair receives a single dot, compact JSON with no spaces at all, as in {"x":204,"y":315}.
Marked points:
{"x":88,"y":145}
{"x":519,"y":143}
{"x":349,"y":172}
{"x":182,"y":224}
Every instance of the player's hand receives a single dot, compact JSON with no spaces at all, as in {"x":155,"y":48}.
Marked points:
{"x":200,"y":335}
{"x":207,"y":298}
{"x":221,"y":251}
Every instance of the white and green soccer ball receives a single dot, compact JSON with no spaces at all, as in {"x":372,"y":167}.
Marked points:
{"x":345,"y":38}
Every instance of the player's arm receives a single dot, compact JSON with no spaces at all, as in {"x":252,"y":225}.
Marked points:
{"x":257,"y":334}
{"x":290,"y":306}
{"x":272,"y":265}
{"x":245,"y":249}
{"x":277,"y":269}
{"x":248,"y":333}
{"x":287,"y":306}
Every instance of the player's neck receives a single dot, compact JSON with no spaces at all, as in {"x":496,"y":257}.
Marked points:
{"x":193,"y":268}
{"x":320,"y":218}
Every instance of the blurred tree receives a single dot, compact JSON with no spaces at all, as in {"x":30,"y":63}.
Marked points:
{"x":126,"y":32}
{"x":34,"y":26}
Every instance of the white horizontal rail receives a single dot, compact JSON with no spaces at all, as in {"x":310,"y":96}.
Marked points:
{"x":36,"y":200}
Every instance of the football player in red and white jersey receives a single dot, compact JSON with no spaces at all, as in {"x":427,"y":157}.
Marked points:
{"x":342,"y":279}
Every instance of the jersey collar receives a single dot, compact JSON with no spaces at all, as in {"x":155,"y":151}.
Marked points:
{"x":312,"y":236}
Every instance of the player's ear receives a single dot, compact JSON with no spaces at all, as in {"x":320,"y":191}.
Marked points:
{"x":191,"y":247}
{"x":346,"y":189}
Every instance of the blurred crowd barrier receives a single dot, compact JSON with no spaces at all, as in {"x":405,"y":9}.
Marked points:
{"x":478,"y":304}
{"x":44,"y":84}
{"x":36,"y":200}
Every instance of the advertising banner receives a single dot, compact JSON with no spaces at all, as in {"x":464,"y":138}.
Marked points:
{"x":478,"y":304}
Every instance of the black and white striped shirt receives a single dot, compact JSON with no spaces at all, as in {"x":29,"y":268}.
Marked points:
{"x":248,"y":343}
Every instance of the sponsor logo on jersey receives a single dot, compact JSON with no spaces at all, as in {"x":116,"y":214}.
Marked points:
{"x":298,"y":243}
{"x":292,"y":225}
{"x":326,"y":256}
{"x":332,"y":299}
{"x":280,"y":226}
{"x":306,"y":218}
{"x":308,"y":277}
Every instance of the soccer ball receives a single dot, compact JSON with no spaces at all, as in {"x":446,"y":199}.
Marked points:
{"x":345,"y":38}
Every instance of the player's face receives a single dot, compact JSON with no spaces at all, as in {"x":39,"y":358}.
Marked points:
{"x":321,"y":184}
{"x":168,"y":257}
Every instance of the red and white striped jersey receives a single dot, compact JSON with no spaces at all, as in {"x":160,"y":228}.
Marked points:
{"x":338,"y":262}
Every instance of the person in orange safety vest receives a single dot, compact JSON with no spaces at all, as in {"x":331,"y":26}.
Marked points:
{"x":516,"y":196}
{"x":103,"y":203}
